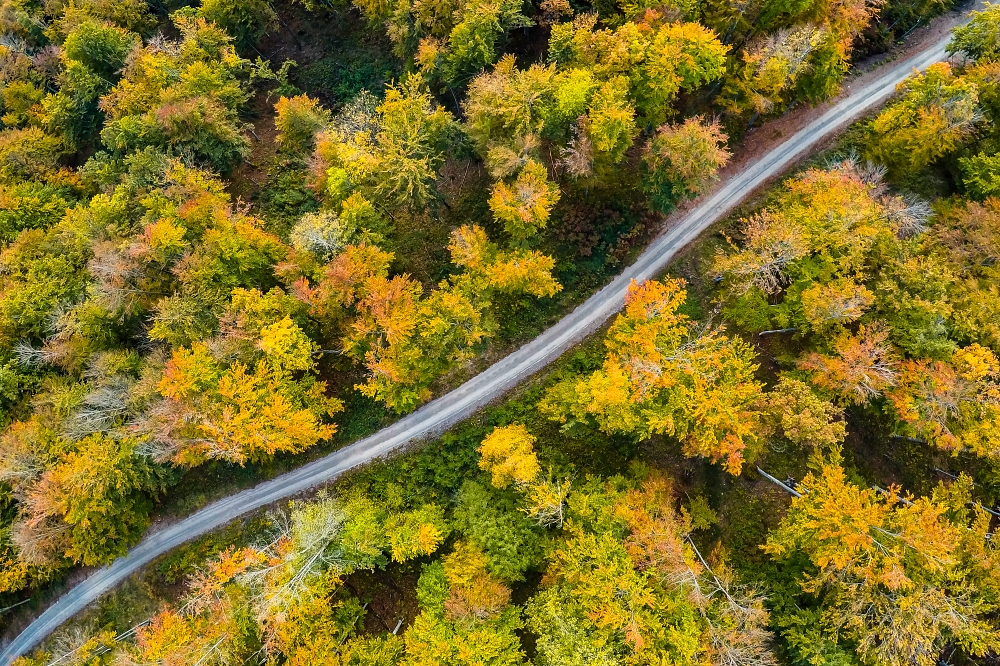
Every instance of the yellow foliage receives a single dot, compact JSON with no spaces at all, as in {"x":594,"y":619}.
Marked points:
{"x":507,"y":454}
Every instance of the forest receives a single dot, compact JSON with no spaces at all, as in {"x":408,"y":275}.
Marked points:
{"x":235,"y":236}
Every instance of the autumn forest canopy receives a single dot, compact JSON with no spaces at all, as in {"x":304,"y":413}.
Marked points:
{"x":237,"y":235}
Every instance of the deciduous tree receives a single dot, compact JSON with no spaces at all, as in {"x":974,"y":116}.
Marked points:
{"x":662,"y":377}
{"x":893,"y":573}
{"x":937,"y":113}
{"x":681,"y":160}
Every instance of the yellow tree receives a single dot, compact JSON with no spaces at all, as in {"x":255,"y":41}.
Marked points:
{"x":298,"y":119}
{"x":860,"y":368}
{"x":241,"y":411}
{"x":681,"y":160}
{"x":900,"y":577}
{"x":388,"y":152}
{"x":954,"y":405}
{"x":524,"y":205}
{"x":793,"y":411}
{"x":660,"y":376}
{"x":508,"y":455}
{"x":936,"y":113}
{"x":627,"y":584}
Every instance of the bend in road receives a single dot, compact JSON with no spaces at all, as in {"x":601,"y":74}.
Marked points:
{"x":437,"y":416}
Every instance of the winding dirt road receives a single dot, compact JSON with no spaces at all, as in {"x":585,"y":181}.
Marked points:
{"x":451,"y":408}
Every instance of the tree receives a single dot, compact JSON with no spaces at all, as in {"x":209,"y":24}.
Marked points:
{"x":835,"y":303}
{"x":588,"y":99}
{"x":524,"y":205}
{"x":472,"y":42}
{"x":936,"y":114}
{"x":952,"y":405}
{"x":861,"y":367}
{"x":894,"y":575}
{"x":465,"y":616}
{"x":41,"y":275}
{"x":326,"y":234}
{"x":967,"y":237}
{"x":407,"y":339}
{"x":769,"y":70}
{"x":98,"y":497}
{"x":498,"y":524}
{"x":388,"y":152}
{"x":507,"y":454}
{"x":246,"y":21}
{"x":508,"y":104}
{"x":681,"y":160}
{"x":679,"y":56}
{"x":659,"y":378}
{"x":184,"y":99}
{"x":298,"y":120}
{"x":836,"y":248}
{"x":101,"y":48}
{"x":610,"y":123}
{"x":794,"y":412}
{"x":771,"y":245}
{"x":981,"y":175}
{"x":978,"y":39}
{"x":626,"y":585}
{"x":658,"y":59}
{"x":27,"y":154}
{"x":241,"y":412}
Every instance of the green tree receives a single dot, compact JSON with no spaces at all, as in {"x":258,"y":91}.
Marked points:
{"x":184,"y":99}
{"x":103,"y":491}
{"x":102,"y":49}
{"x":388,"y":152}
{"x":473,"y":41}
{"x":936,"y":113}
{"x":465,"y":616}
{"x":246,"y":20}
{"x":494,"y":522}
{"x":981,"y":175}
{"x":298,"y":120}
{"x":979,"y":38}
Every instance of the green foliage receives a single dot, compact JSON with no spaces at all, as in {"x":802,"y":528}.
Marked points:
{"x":298,"y":120}
{"x":935,"y":115}
{"x":492,"y":521}
{"x":33,"y":205}
{"x":680,"y":161}
{"x":389,"y":151}
{"x":244,"y":20}
{"x":981,"y":175}
{"x":28,"y":153}
{"x":103,"y":491}
{"x":184,"y":100}
{"x":101,"y":49}
{"x":979,"y":39}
